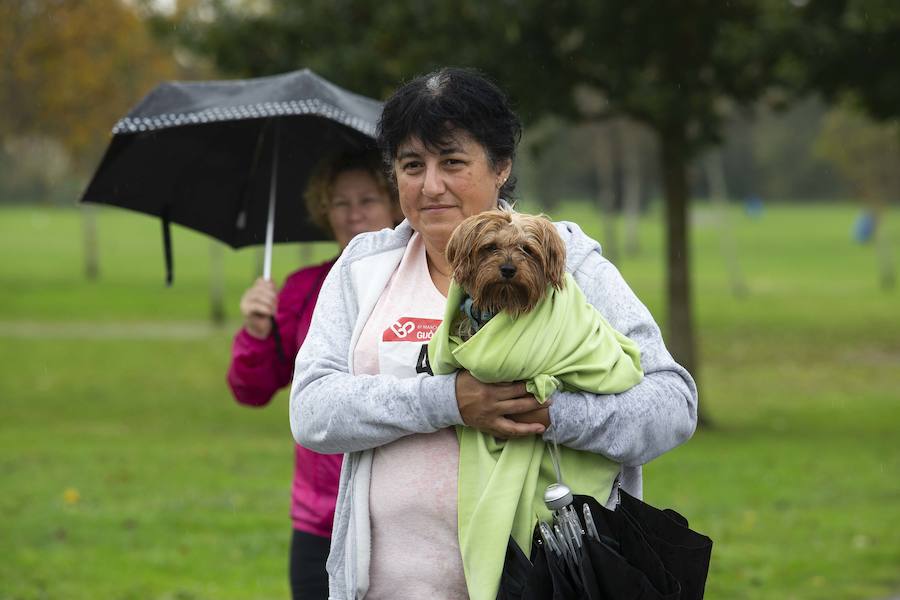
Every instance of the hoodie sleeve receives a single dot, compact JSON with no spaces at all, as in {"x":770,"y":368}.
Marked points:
{"x":637,"y":425}
{"x":333,"y":411}
{"x":257,"y":372}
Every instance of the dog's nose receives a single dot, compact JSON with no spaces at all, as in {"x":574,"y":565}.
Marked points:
{"x":507,"y":271}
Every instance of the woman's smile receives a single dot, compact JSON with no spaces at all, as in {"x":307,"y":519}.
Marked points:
{"x":436,"y":208}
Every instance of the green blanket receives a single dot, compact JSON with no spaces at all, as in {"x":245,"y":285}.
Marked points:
{"x":563,"y":343}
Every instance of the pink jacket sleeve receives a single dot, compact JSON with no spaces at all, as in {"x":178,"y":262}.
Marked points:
{"x":256,"y":371}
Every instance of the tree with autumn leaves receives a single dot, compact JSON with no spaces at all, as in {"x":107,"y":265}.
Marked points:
{"x":68,"y":71}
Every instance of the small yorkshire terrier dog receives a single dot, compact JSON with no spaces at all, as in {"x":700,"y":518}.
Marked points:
{"x":504,"y":261}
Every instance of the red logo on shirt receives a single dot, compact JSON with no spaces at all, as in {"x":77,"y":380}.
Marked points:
{"x":410,"y":329}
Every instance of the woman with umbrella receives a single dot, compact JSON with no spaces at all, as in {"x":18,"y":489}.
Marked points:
{"x":363,"y":386}
{"x":347,"y":195}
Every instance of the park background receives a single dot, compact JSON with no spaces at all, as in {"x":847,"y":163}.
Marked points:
{"x":769,"y":129}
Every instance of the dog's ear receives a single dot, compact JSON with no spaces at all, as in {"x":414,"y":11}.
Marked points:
{"x":460,"y":248}
{"x":465,"y":237}
{"x":554,"y":252}
{"x":457,"y":244}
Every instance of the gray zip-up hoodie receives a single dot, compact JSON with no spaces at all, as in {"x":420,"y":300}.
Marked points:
{"x":332,"y":410}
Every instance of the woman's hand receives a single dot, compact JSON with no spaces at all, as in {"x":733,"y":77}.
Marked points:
{"x":258,"y":305}
{"x":504,"y":410}
{"x":539,"y":415}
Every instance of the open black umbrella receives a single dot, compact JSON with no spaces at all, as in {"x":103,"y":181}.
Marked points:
{"x":223,"y":157}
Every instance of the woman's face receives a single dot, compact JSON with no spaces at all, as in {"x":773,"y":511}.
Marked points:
{"x":357,"y":205}
{"x":440,"y":187}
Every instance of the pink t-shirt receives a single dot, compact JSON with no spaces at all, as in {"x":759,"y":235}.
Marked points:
{"x":412,"y":495}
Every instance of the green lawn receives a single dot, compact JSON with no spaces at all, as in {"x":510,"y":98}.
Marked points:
{"x":126,"y":471}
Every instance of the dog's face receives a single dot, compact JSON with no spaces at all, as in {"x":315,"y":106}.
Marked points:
{"x":506,"y":260}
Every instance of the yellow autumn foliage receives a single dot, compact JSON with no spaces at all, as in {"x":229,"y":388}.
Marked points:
{"x":69,"y":70}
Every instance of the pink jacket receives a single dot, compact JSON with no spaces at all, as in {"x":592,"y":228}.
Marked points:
{"x":256,"y":373}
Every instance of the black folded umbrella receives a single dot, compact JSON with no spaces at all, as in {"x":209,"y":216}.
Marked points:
{"x":542,"y":577}
{"x":635,"y":552}
{"x":684,"y":552}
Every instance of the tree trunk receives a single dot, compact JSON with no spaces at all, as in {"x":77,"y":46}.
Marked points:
{"x":718,"y":196}
{"x":887,"y":274}
{"x":306,"y":254}
{"x":678,"y":283}
{"x":258,"y":259}
{"x":631,"y":192}
{"x":91,"y":253}
{"x":604,"y":172}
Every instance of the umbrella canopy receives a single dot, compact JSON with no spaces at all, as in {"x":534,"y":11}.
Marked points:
{"x":210,"y":155}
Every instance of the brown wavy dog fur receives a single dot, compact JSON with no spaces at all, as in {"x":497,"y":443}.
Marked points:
{"x":528,"y":248}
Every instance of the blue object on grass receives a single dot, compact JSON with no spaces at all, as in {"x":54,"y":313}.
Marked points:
{"x":753,"y":206}
{"x":864,"y":228}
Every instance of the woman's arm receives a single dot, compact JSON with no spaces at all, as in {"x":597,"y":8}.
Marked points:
{"x":651,"y":418}
{"x":333,"y":411}
{"x":256,"y":373}
{"x":257,"y":370}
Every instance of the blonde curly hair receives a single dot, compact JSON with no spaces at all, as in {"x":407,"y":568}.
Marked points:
{"x":321,"y":183}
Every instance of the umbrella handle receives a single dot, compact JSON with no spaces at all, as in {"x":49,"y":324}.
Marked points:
{"x":279,"y":349}
{"x":167,"y":246}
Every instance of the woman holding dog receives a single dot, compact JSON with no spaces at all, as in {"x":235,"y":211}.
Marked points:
{"x":362,"y":382}
{"x":348,"y":194}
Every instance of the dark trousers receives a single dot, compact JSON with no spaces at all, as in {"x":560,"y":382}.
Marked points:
{"x":309,"y":581}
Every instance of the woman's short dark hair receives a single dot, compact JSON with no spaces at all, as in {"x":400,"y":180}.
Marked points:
{"x":431,"y":107}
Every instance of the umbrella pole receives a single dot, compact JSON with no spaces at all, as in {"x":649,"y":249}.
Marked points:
{"x":270,"y":222}
{"x":270,"y":234}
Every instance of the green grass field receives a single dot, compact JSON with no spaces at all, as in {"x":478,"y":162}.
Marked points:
{"x":127,"y":472}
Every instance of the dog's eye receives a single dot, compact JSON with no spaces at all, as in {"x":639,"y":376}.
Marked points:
{"x":489,"y":248}
{"x":526,"y":250}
